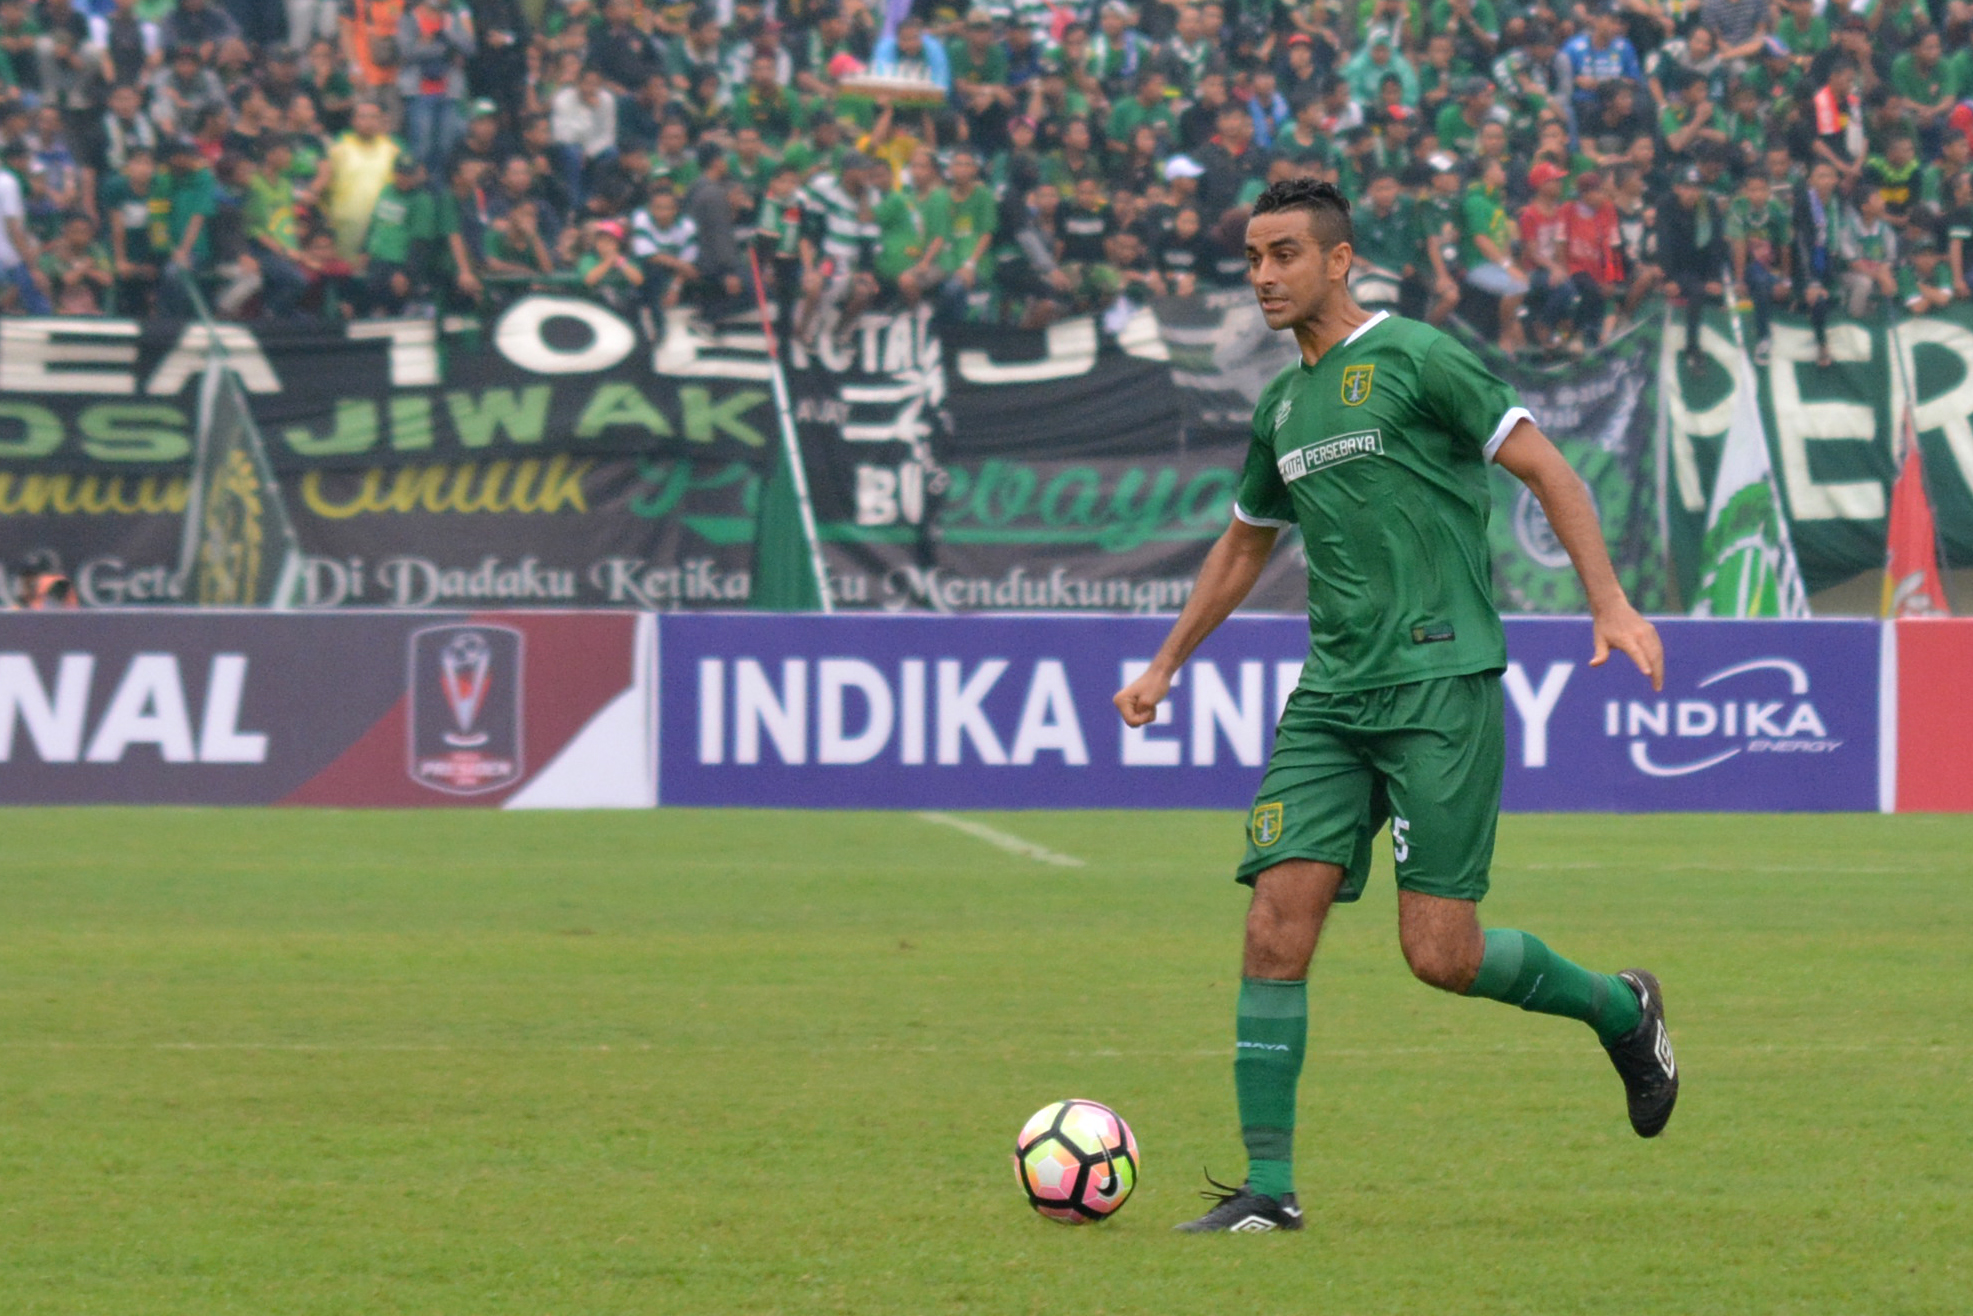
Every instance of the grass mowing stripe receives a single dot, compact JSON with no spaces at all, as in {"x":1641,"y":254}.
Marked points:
{"x":1007,"y":841}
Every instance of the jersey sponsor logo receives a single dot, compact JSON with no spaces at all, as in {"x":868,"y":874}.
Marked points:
{"x":1267,"y":824}
{"x":1281,"y":413}
{"x":1356,"y":384}
{"x":1331,"y":451}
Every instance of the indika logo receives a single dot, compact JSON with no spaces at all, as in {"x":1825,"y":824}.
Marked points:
{"x":1712,"y":725}
{"x":465,"y":715}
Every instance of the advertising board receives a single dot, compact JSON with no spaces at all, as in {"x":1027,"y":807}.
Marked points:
{"x":1003,"y":712}
{"x":390,"y":709}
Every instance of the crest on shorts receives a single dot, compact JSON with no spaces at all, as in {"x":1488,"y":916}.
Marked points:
{"x":1356,"y":384}
{"x":1267,"y":824}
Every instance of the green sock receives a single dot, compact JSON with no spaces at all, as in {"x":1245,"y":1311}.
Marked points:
{"x":1519,"y":969}
{"x":1272,"y":1028}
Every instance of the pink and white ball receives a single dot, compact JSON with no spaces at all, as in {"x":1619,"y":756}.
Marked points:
{"x":1077,"y":1161}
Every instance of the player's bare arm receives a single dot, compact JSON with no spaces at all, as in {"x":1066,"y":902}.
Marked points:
{"x":1226,"y":578}
{"x":1534,"y":461}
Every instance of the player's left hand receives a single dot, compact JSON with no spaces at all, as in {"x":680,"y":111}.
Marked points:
{"x":1624,"y":629}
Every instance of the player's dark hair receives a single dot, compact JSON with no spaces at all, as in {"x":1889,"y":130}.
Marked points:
{"x":1328,"y":209}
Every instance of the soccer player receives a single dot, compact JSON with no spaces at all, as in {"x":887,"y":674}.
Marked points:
{"x":1376,"y":445}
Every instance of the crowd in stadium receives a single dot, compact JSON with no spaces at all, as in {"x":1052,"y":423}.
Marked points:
{"x":1541,"y":167}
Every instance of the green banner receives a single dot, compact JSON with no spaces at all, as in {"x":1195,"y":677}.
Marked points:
{"x":1830,"y":436}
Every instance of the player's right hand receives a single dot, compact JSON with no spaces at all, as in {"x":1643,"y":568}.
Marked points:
{"x":1138,"y":701}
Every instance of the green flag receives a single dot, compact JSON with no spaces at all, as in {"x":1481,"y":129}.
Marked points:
{"x":784,"y":569}
{"x":1749,"y":567}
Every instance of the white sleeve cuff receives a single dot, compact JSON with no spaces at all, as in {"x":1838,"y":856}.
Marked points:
{"x":1514,"y":416}
{"x":1241,"y":514}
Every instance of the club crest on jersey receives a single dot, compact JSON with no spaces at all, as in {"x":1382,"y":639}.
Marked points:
{"x":1267,"y":824}
{"x":1356,"y":384}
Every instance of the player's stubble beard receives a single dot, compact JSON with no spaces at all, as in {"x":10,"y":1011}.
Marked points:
{"x":1327,"y":302}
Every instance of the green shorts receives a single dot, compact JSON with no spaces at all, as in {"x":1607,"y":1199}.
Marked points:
{"x":1427,"y":758}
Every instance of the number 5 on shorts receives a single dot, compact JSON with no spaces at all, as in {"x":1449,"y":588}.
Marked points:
{"x":1400,"y":838}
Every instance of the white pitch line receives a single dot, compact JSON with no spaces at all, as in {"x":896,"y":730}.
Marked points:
{"x":1003,"y":840}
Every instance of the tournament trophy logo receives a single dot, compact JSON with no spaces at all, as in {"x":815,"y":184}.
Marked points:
{"x":465,"y":696}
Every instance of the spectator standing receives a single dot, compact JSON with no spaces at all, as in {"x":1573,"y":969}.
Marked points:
{"x":1820,"y":225}
{"x":124,"y":202}
{"x":186,"y":195}
{"x":708,"y":203}
{"x":434,"y":41}
{"x":1600,"y":55}
{"x":583,"y":118}
{"x":16,"y":245}
{"x":202,"y":26}
{"x":397,"y":247}
{"x":360,"y":164}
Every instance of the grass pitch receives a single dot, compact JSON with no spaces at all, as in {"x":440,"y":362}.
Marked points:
{"x":675,"y":1062}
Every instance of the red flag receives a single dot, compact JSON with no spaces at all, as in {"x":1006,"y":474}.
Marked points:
{"x":1911,"y":571}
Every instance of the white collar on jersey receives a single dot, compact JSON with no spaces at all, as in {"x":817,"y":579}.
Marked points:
{"x":1366,"y":327}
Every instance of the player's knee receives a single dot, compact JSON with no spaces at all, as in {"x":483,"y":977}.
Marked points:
{"x":1277,"y":946}
{"x":1438,"y":963}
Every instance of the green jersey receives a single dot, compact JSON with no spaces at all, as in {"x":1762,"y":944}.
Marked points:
{"x":960,"y":223}
{"x":1910,"y":281}
{"x":1767,"y":233}
{"x":1482,"y":215}
{"x":1439,"y":225}
{"x":1379,"y":453}
{"x":125,"y":209}
{"x":901,"y":237}
{"x":779,"y":224}
{"x":1390,"y":242}
{"x":269,"y":212}
{"x":400,"y":219}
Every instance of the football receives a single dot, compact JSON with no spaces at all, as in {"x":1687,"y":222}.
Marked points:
{"x":1077,"y":1161}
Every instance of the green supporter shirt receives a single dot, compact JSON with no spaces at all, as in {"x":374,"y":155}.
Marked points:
{"x":960,"y":223}
{"x":1803,"y":39}
{"x":1379,"y":454}
{"x":1482,"y":215}
{"x":1483,"y":13}
{"x":177,"y":199}
{"x":1775,"y":227}
{"x":121,"y":206}
{"x":1909,"y":281}
{"x":1390,"y":242}
{"x":1129,"y":115}
{"x":401,"y":218}
{"x":1436,"y":214}
{"x":901,"y":235}
{"x":269,"y":211}
{"x":1455,"y":134}
{"x":992,"y":67}
{"x":1915,"y":84}
{"x":780,"y":224}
